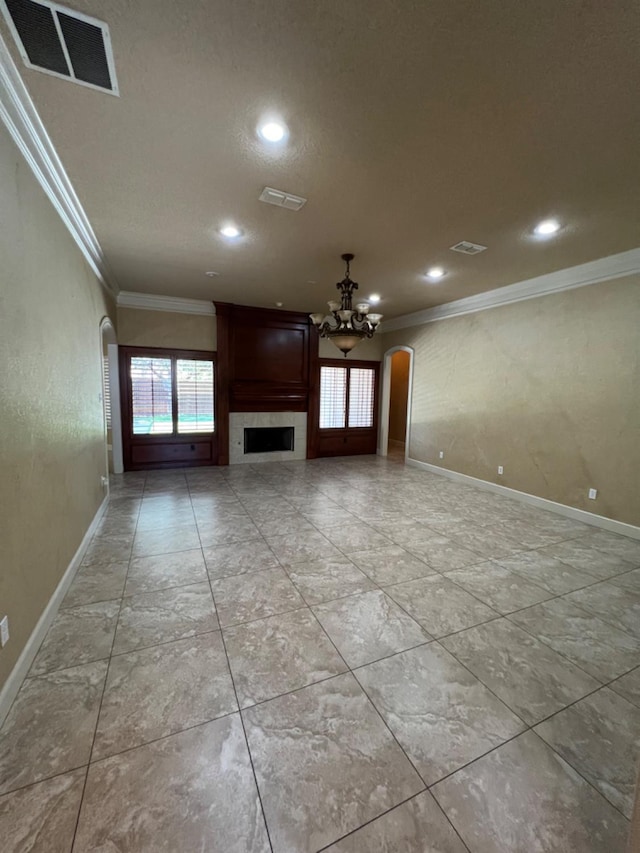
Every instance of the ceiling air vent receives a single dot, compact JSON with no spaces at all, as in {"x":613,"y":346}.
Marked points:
{"x":62,"y":42}
{"x":468,"y":248}
{"x":281,"y":199}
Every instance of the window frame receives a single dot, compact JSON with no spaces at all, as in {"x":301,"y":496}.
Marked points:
{"x":126,"y":354}
{"x":374,"y":366}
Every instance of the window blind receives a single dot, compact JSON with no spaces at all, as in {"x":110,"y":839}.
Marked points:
{"x":194,"y":383}
{"x":361,"y":396}
{"x":106,"y":391}
{"x":151,"y":395}
{"x":333,"y":397}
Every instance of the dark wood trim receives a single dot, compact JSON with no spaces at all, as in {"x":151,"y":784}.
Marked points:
{"x":351,"y":362}
{"x":160,"y":352}
{"x":345,"y":441}
{"x":223,"y":312}
{"x":313,"y":410}
{"x":146,"y":452}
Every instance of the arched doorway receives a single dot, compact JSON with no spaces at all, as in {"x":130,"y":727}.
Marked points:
{"x":395,"y":413}
{"x":111,"y":396}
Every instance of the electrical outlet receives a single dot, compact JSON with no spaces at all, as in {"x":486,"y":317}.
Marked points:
{"x":4,"y":631}
{"x":500,"y":469}
{"x":441,"y":454}
{"x":593,"y":494}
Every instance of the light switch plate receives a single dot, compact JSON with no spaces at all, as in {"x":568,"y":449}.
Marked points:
{"x":593,"y":494}
{"x":4,"y":631}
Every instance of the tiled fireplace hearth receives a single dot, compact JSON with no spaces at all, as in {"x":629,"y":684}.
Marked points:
{"x":239,"y":421}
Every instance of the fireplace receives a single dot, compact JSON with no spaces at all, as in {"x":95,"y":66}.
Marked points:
{"x":268,"y":439}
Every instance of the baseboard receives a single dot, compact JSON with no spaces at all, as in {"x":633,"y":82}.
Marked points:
{"x":23,"y":664}
{"x":542,"y":503}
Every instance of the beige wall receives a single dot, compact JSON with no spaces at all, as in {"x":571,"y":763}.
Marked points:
{"x":398,"y":397}
{"x":549,"y":388}
{"x":141,"y":328}
{"x":367,"y":350}
{"x":52,"y":446}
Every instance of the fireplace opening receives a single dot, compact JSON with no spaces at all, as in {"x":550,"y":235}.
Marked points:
{"x":267,"y":439}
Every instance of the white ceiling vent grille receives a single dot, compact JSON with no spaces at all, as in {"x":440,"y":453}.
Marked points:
{"x":281,"y":199}
{"x":62,"y":42}
{"x":467,"y":248}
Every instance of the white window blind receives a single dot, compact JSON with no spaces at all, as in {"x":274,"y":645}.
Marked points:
{"x":194,"y":383}
{"x":361,"y":396}
{"x":333,"y":397}
{"x":106,"y":391}
{"x":151,"y":395}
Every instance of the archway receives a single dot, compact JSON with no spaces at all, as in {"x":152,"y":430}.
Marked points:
{"x":395,"y":408}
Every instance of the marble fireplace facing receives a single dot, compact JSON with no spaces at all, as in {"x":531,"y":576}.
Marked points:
{"x":240,"y":421}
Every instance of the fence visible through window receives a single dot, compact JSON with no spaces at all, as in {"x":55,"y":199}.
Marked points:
{"x":194,"y":383}
{"x":171,"y":395}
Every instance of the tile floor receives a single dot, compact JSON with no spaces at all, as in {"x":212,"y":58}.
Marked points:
{"x":345,"y":655}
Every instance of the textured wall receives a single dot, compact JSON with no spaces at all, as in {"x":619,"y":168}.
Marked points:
{"x":398,"y":396}
{"x":549,"y":388}
{"x":52,"y":449}
{"x":141,"y":328}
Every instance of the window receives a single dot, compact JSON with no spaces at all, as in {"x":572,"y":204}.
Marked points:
{"x":347,"y":397}
{"x":361,"y":395}
{"x":151,"y":395}
{"x":171,"y":395}
{"x":333,"y":397}
{"x":106,"y":391}
{"x":194,"y":380}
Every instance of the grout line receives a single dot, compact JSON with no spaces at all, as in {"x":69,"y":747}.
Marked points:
{"x":244,"y":730}
{"x":104,"y":685}
{"x":235,"y":693}
{"x":388,"y":811}
{"x":274,"y":489}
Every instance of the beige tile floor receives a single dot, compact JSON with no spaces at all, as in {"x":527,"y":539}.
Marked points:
{"x":345,"y":655}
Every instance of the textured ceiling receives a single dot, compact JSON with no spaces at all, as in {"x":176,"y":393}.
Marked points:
{"x":413,"y":125}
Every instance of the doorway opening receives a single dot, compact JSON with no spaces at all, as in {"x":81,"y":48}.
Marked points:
{"x":396,"y":402}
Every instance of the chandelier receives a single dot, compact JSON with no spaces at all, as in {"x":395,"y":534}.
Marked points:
{"x":346,"y":326}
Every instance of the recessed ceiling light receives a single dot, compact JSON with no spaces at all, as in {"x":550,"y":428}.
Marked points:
{"x":230,"y":231}
{"x":272,"y":131}
{"x":211,"y":273}
{"x":435,"y":273}
{"x":547,"y":227}
{"x":374,"y":299}
{"x":279,"y":304}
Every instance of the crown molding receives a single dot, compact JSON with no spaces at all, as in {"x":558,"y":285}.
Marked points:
{"x":604,"y":269}
{"x":175,"y":304}
{"x":19,"y":115}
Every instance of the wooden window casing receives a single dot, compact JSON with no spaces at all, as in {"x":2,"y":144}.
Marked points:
{"x":166,"y":421}
{"x":348,"y":425}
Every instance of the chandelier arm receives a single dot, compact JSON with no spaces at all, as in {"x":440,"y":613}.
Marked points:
{"x":353,"y":324}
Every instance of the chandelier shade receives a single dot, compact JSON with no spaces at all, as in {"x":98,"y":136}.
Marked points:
{"x":345,"y":326}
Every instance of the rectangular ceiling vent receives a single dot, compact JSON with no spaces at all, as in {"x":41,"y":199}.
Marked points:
{"x":468,"y":248}
{"x":62,"y":42}
{"x":281,"y":199}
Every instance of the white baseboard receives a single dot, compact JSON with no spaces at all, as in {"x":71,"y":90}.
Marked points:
{"x":542,"y":503}
{"x":23,"y":664}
